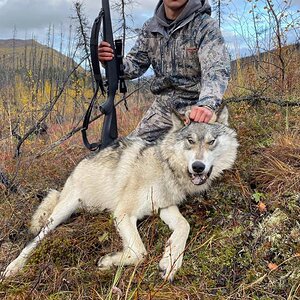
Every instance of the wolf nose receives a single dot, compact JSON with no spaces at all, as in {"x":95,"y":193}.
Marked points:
{"x":198,"y":166}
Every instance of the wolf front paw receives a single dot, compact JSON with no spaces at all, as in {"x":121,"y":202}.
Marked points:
{"x":125,"y":258}
{"x":168,"y":268}
{"x":171,"y":261}
{"x":106,"y":261}
{"x":13,"y":268}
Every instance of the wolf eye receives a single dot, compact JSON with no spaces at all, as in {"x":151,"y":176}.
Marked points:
{"x":191,"y":141}
{"x":211,"y":142}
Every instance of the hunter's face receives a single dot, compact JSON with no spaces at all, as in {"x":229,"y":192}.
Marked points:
{"x":175,"y":5}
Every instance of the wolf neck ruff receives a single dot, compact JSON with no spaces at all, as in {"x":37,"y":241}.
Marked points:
{"x":114,"y":73}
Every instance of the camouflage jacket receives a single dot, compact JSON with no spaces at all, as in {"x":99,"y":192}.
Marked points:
{"x":190,"y":61}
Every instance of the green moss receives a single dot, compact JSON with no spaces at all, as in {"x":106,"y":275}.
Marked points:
{"x":218,"y":256}
{"x":64,"y":295}
{"x":13,"y":289}
{"x":60,"y":250}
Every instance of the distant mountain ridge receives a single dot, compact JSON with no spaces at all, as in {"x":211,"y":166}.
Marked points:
{"x":32,"y":62}
{"x":9,"y":43}
{"x":20,"y":54}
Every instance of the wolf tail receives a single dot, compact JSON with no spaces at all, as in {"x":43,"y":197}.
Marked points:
{"x":43,"y":212}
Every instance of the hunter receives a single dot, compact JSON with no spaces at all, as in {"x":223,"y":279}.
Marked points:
{"x":186,"y":50}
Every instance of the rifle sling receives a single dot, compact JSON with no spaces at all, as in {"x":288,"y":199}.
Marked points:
{"x":98,"y":80}
{"x":94,"y":50}
{"x":85,"y":126}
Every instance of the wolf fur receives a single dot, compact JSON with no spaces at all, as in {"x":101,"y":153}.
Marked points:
{"x":132,"y":179}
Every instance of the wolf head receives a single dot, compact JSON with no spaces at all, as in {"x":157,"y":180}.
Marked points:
{"x":200,"y":151}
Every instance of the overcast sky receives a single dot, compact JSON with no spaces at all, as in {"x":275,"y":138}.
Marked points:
{"x":34,"y":16}
{"x":31,"y":18}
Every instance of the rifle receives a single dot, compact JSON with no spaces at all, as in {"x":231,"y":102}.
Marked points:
{"x":114,"y":73}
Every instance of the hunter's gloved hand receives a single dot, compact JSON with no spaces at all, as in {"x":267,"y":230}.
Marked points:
{"x":201,"y":114}
{"x":105,"y":52}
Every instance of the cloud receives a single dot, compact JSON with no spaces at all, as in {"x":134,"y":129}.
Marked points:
{"x":296,"y":3}
{"x":33,"y":14}
{"x":140,"y":10}
{"x":32,"y":18}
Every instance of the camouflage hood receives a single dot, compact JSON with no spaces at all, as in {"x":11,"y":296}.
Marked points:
{"x":201,"y":6}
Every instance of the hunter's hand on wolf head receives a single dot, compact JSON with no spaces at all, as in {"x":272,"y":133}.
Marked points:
{"x":201,"y":114}
{"x":105,"y":52}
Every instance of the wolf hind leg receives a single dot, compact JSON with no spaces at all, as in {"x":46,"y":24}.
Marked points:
{"x":134,"y":250}
{"x":175,"y":246}
{"x":61,"y":212}
{"x":41,"y":215}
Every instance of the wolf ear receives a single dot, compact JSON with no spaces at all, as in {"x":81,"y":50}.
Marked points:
{"x":222,"y":116}
{"x":177,"y":120}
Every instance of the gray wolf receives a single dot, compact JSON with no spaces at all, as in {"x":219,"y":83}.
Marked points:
{"x":132,"y":179}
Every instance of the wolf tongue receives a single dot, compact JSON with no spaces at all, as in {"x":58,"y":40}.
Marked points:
{"x":198,"y":179}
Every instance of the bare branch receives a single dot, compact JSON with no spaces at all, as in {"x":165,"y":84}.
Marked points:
{"x":48,"y":109}
{"x":257,"y":99}
{"x":78,"y":127}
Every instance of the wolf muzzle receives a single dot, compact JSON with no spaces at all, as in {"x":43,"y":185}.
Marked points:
{"x":199,"y":176}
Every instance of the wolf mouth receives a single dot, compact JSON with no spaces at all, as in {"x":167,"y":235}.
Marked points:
{"x":200,"y":178}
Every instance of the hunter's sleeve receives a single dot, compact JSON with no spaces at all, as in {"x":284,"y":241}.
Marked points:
{"x":137,"y":60}
{"x":215,"y":65}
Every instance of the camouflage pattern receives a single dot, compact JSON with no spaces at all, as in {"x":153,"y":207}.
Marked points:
{"x":191,"y":67}
{"x":157,"y":120}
